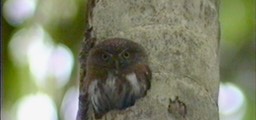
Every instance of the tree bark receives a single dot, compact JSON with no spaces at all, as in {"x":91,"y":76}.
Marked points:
{"x":182,"y":40}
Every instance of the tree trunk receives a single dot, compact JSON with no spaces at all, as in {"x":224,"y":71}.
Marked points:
{"x":182,"y":40}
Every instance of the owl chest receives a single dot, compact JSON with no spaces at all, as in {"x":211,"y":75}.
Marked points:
{"x":115,"y":92}
{"x":112,"y":87}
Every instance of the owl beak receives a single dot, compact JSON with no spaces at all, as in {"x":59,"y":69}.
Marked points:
{"x":117,"y":64}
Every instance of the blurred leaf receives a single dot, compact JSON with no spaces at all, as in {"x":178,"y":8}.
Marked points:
{"x":237,"y":23}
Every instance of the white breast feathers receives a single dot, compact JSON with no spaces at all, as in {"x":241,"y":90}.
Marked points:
{"x":134,"y":82}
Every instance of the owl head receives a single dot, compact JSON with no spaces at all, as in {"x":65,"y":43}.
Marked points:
{"x":116,"y":54}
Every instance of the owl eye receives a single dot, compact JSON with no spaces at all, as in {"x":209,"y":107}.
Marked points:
{"x":126,"y":55}
{"x":105,"y":57}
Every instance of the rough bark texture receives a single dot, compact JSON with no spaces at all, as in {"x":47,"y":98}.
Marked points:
{"x":182,"y":40}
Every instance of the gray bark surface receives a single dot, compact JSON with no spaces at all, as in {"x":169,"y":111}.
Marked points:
{"x":182,"y":40}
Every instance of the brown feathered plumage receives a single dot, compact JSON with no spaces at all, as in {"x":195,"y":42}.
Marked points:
{"x":117,"y":74}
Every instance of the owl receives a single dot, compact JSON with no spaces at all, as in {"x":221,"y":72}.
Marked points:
{"x":117,"y":74}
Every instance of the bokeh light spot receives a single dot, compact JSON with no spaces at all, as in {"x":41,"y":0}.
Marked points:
{"x":17,"y":11}
{"x":34,"y":47}
{"x":38,"y":54}
{"x":232,"y":104}
{"x":60,"y":64}
{"x":36,"y":107}
{"x":69,"y":104}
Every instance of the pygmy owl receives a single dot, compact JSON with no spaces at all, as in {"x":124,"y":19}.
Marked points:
{"x":117,"y":74}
